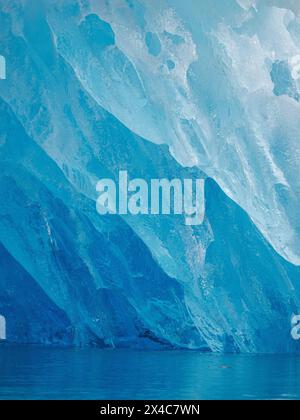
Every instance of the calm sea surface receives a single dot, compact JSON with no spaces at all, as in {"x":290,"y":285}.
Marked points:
{"x":35,"y":373}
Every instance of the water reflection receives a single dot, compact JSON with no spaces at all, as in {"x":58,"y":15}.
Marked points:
{"x":34,"y":373}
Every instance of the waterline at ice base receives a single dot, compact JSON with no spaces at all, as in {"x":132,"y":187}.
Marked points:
{"x":177,"y":95}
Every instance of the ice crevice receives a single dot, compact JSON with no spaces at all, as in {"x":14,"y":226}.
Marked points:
{"x":229,"y":128}
{"x":161,"y":88}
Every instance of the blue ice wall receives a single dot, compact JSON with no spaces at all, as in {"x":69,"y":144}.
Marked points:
{"x":97,"y":87}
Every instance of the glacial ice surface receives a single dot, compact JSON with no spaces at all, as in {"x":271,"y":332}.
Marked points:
{"x":161,"y":88}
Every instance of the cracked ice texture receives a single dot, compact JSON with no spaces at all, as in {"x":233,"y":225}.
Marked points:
{"x":88,"y":81}
{"x":197,"y":75}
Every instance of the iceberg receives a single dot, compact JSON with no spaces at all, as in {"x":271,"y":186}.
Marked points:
{"x":161,"y":89}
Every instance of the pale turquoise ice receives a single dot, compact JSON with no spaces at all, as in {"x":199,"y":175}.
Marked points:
{"x":162,"y":89}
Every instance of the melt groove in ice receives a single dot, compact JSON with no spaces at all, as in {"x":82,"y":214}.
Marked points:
{"x":162,"y":89}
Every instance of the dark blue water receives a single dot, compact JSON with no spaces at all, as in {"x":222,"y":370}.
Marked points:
{"x":33,"y":373}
